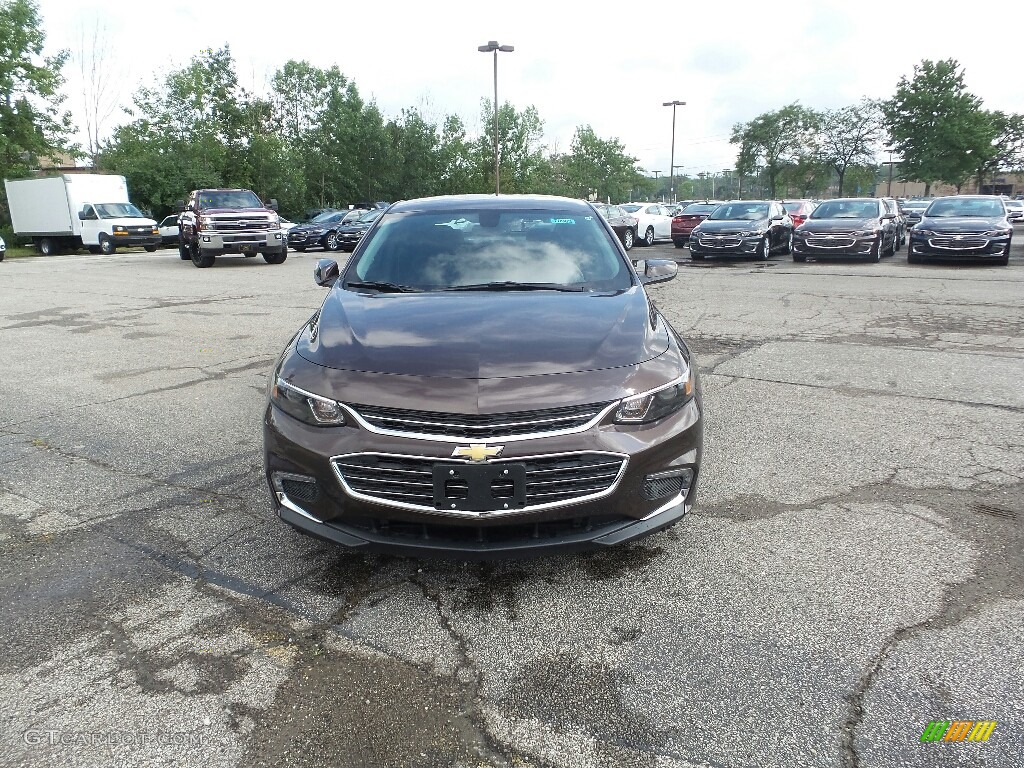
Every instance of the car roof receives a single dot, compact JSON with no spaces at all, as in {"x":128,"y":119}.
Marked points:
{"x":503,"y":202}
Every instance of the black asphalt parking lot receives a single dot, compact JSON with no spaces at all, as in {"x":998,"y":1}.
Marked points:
{"x":852,"y":570}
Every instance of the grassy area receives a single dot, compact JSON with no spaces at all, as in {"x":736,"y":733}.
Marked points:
{"x":20,"y":251}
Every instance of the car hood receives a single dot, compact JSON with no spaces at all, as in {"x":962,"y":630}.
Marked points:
{"x":837,"y":225}
{"x":309,"y":225}
{"x":962,"y":223}
{"x":709,"y":227}
{"x":483,"y":335}
{"x":355,"y":227}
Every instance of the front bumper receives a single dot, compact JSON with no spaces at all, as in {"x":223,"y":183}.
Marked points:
{"x":134,"y":238}
{"x":959,"y":246}
{"x":305,"y":469}
{"x":835,"y":245}
{"x":725,"y":244}
{"x":241,"y":242}
{"x":349,"y":240}
{"x":306,"y":239}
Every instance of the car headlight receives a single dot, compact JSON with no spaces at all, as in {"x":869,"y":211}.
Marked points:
{"x":305,"y":406}
{"x":206,"y":221}
{"x":752,"y":233}
{"x":998,"y":233}
{"x":924,"y":232}
{"x":317,"y":231}
{"x":650,"y":406}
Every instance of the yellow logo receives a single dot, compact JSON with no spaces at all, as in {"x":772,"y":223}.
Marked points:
{"x":478,"y":451}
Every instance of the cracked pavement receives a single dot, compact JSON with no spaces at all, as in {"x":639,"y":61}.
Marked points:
{"x":852,"y":570}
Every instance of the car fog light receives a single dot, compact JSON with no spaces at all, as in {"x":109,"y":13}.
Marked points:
{"x":296,"y":487}
{"x":670,"y":483}
{"x":206,"y":238}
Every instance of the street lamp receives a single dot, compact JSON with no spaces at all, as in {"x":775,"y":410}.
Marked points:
{"x":673,"y":185}
{"x":492,"y":46}
{"x":672,"y":160}
{"x":888,"y":189}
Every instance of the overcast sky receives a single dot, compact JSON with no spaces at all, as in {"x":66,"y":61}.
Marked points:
{"x":609,"y":65}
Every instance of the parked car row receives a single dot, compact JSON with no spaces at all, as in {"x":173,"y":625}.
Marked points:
{"x":977,"y":226}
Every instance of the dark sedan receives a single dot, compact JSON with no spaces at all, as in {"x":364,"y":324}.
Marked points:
{"x":351,"y":232}
{"x":963,"y":226}
{"x":748,"y":227}
{"x":320,"y":232}
{"x":486,"y":377}
{"x":624,"y":224}
{"x":859,"y":227}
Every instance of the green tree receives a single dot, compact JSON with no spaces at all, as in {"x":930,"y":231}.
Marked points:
{"x":1007,"y":149}
{"x":32,"y":122}
{"x":520,"y":152}
{"x":195,"y":129}
{"x":849,"y":136}
{"x":774,"y":140}
{"x":598,"y":165}
{"x":937,"y":125}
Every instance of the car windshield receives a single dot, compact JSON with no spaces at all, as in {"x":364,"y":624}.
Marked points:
{"x":325,"y":216}
{"x":793,"y":207}
{"x":965,"y":206}
{"x":467,"y":249}
{"x":118,"y":211}
{"x":740,"y":212}
{"x":229,"y":198}
{"x":846,"y":209}
{"x":700,"y":208}
{"x":632,"y":207}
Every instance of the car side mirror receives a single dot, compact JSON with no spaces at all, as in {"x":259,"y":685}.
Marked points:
{"x":81,"y":215}
{"x":326,"y":272}
{"x":658,"y":271}
{"x":272,"y":204}
{"x":889,"y":216}
{"x":777,"y":217}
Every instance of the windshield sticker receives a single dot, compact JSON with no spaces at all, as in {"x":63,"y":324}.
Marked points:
{"x":562,"y":221}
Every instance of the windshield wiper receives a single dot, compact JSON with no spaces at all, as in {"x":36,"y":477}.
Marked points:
{"x":510,"y":285}
{"x":382,"y":287}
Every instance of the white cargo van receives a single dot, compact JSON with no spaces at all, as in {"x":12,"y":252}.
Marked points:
{"x":67,"y":212}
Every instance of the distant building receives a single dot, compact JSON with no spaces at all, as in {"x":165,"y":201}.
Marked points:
{"x":1009,"y":184}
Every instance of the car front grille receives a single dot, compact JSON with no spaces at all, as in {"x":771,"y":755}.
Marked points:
{"x":830,"y":241}
{"x":235,"y":224}
{"x":465,"y":426}
{"x":407,"y":481}
{"x":713,"y":241}
{"x":964,"y":243}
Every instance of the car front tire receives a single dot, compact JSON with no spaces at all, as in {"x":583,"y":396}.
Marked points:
{"x":627,"y":239}
{"x":649,"y":237}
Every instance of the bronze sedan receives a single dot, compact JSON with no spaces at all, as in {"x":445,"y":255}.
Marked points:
{"x":486,"y":377}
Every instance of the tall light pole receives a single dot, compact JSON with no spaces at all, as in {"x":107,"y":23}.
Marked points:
{"x":672,"y":160}
{"x":492,"y":46}
{"x":888,"y":189}
{"x":726,"y":173}
{"x":674,"y":181}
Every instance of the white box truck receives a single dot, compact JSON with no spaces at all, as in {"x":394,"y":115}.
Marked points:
{"x":75,"y":210}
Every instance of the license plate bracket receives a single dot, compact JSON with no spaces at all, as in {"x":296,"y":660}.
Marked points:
{"x":479,"y":487}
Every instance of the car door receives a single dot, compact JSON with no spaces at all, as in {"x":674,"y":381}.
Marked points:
{"x":662,"y":224}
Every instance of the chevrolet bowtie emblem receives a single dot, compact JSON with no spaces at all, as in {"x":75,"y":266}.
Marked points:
{"x":477,"y":451}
